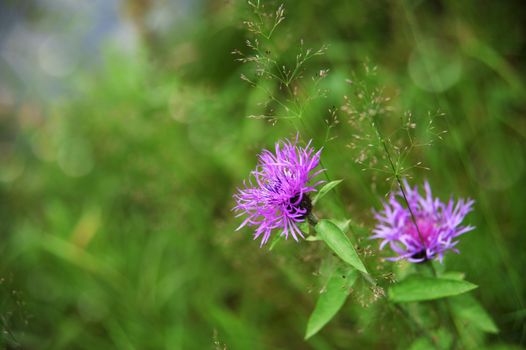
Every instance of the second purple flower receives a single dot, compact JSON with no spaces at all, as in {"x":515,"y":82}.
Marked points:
{"x":277,"y":196}
{"x":423,"y":228}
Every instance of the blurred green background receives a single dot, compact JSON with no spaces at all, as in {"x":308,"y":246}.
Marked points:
{"x":124,"y":133}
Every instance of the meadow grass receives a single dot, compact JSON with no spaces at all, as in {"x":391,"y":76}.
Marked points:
{"x":118,"y":232}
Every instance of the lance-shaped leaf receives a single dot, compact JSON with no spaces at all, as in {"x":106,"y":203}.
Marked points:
{"x":339,"y":243}
{"x":325,"y":189}
{"x":331,"y":299}
{"x":343,"y":224}
{"x":467,"y":308}
{"x":419,"y":288}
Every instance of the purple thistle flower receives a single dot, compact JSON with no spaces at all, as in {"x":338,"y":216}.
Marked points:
{"x":437,"y":225}
{"x":279,"y":197}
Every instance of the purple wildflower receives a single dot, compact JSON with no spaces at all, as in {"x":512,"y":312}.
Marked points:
{"x":279,"y":198}
{"x":437,"y":224}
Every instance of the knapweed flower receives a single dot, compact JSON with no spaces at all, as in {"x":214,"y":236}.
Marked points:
{"x":437,"y":224}
{"x":279,"y":196}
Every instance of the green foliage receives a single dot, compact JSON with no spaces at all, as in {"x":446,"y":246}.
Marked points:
{"x":340,"y":244}
{"x":419,"y":288}
{"x":331,"y":299}
{"x":324,"y":190}
{"x":468,"y":309}
{"x":440,"y":339}
{"x":116,"y":230}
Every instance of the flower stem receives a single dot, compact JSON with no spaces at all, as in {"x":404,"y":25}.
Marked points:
{"x":445,"y":310}
{"x":397,"y":177}
{"x":312,"y":219}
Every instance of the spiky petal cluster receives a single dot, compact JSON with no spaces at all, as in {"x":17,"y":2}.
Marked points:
{"x":437,"y":224}
{"x":278,"y":198}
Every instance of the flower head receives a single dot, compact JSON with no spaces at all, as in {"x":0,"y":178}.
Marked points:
{"x":278,"y":199}
{"x":437,"y":224}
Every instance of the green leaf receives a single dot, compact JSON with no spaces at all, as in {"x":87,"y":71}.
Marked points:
{"x":468,"y":309}
{"x":453,"y":275}
{"x":343,"y":224}
{"x":418,"y":288}
{"x":339,"y":243}
{"x":325,"y":189}
{"x":331,"y":299}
